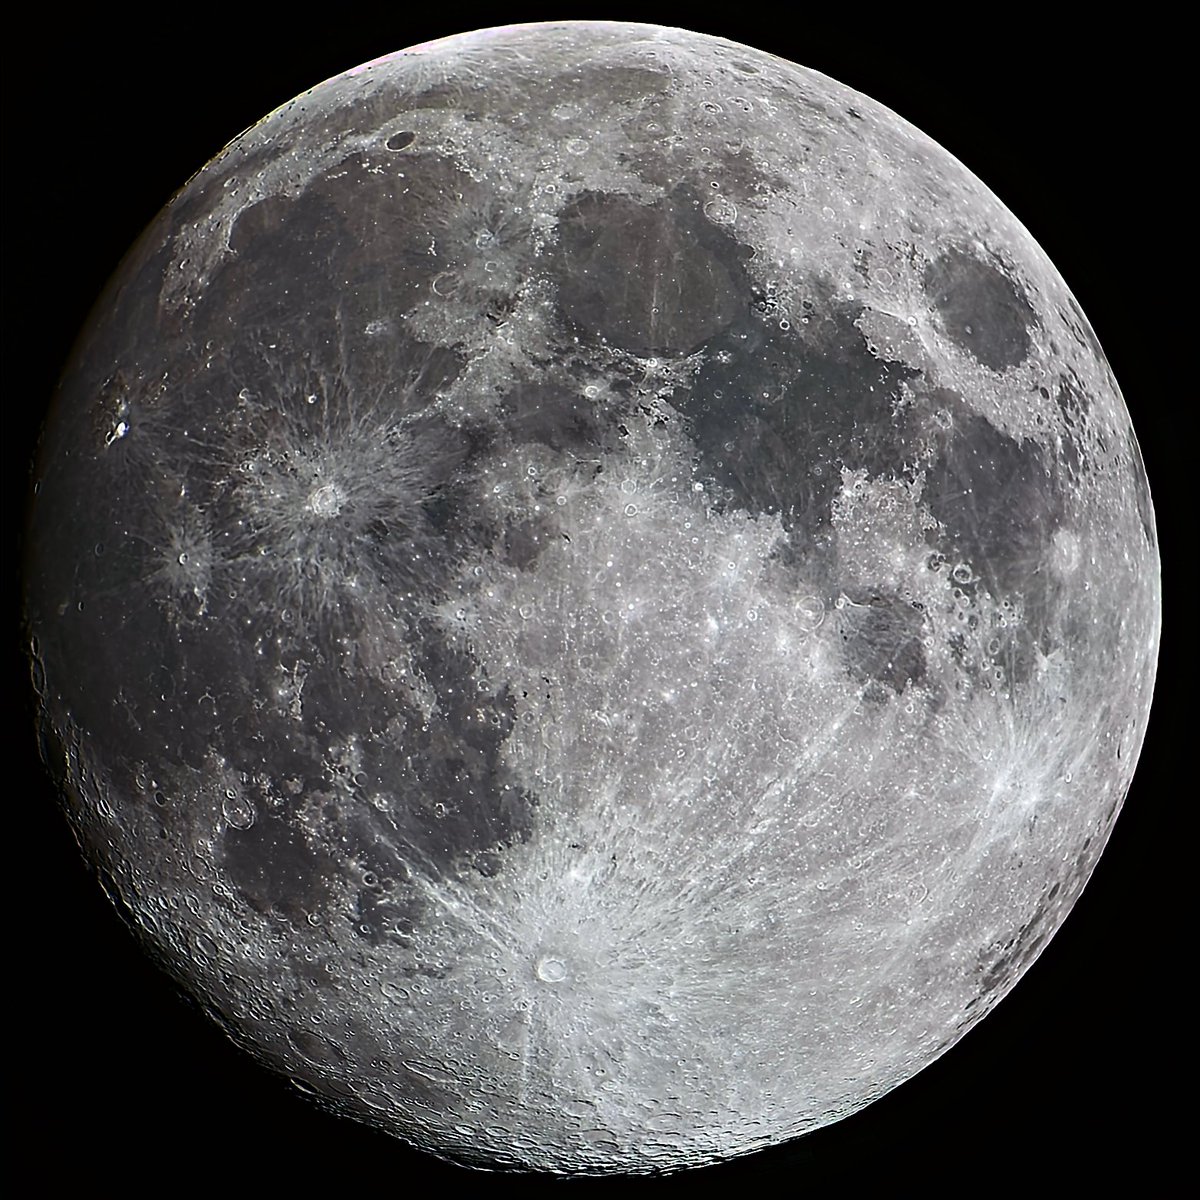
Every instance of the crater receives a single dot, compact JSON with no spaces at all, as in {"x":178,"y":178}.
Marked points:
{"x":327,"y":500}
{"x":550,"y":969}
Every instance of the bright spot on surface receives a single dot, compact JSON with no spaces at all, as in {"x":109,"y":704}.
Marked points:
{"x":551,"y":970}
{"x":327,"y":500}
{"x":1065,"y":551}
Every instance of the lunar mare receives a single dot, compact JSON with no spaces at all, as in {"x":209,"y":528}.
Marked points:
{"x":593,"y":596}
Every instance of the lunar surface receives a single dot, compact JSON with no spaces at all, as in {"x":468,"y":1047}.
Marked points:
{"x":592,"y":596}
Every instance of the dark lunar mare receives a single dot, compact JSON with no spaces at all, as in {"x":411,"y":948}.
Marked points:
{"x":982,"y":309}
{"x":779,"y":409}
{"x":172,"y":683}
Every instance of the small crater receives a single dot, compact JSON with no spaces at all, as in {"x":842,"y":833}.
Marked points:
{"x":721,"y":211}
{"x":1065,"y":552}
{"x":550,"y":970}
{"x":401,"y":141}
{"x":239,"y":811}
{"x":327,"y":500}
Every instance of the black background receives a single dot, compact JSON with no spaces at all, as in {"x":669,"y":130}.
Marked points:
{"x":117,"y":1083}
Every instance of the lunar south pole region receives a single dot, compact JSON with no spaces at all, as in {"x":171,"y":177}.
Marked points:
{"x":598,"y":643}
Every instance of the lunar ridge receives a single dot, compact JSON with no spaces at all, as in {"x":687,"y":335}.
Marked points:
{"x":593,"y":596}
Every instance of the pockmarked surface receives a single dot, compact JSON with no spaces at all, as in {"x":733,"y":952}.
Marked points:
{"x":593,"y":596}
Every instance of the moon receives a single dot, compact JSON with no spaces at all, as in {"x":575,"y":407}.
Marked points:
{"x":426,"y":501}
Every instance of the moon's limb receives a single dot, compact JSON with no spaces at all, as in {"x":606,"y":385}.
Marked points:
{"x":662,"y":608}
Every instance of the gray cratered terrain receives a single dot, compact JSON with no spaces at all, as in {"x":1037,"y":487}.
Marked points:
{"x":593,"y":596}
